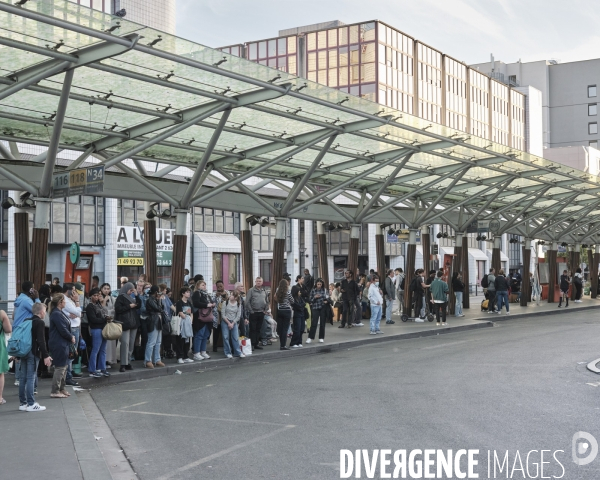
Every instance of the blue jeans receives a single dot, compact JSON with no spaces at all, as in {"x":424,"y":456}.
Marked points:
{"x":502,"y":297}
{"x":98,"y":355}
{"x":27,"y":379}
{"x":153,"y":346}
{"x":375,"y":317}
{"x":200,"y":338}
{"x":235,"y":339}
{"x":459,"y":299}
{"x":75,"y":332}
{"x":389,"y":304}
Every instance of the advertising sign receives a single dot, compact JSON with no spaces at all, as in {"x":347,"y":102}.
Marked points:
{"x":83,"y":181}
{"x":130,"y":247}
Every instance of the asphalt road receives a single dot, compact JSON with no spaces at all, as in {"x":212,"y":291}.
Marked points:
{"x":519,"y":387}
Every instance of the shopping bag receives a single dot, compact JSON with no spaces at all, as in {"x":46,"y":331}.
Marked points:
{"x":246,"y":346}
{"x":112,"y":331}
{"x":175,"y":325}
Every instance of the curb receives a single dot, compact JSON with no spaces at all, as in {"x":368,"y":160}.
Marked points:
{"x":143,"y":373}
{"x":534,"y":314}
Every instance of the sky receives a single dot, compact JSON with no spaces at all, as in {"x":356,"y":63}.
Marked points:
{"x":468,"y":30}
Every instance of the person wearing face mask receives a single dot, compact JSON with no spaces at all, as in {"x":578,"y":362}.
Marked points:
{"x":376,"y":301}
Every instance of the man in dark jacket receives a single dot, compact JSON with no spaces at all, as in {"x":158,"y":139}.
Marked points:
{"x":30,"y":361}
{"x":349,"y":291}
{"x":309,"y":281}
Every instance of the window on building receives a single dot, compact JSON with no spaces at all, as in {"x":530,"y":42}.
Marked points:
{"x":592,"y":128}
{"x":591,"y":91}
{"x":594,"y":143}
{"x":225,"y":267}
{"x":592,"y":109}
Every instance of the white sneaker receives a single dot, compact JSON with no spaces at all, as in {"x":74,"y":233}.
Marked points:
{"x":295,"y":346}
{"x":36,"y":407}
{"x":180,"y":360}
{"x":242,"y":355}
{"x":308,"y":340}
{"x":23,"y":407}
{"x":444,"y":324}
{"x":197,"y":356}
{"x":420,"y":320}
{"x":188,"y":360}
{"x":205,"y":355}
{"x":229,"y":355}
{"x":508,"y":313}
{"x":359,"y":324}
{"x":300,"y":346}
{"x":16,"y":383}
{"x":320,"y":340}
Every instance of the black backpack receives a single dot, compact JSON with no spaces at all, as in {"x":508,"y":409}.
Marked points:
{"x":484,"y":281}
{"x":402,"y":284}
{"x":414,"y":285}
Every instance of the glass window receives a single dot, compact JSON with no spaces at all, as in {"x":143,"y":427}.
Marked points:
{"x":322,"y":39}
{"x":594,"y":143}
{"x":217,"y":266}
{"x":312,"y":61}
{"x":58,"y":212}
{"x":368,"y":53}
{"x":291,"y":45}
{"x":252,"y":51}
{"x":272,"y":48}
{"x":281,"y":46}
{"x":311,"y":41}
{"x":322,"y":60}
{"x":233,"y":269}
{"x":292,"y":64}
{"x":592,"y":128}
{"x":332,"y":37}
{"x":333,"y":58}
{"x":343,"y":36}
{"x":74,"y":213}
{"x":354,"y":55}
{"x":219,"y":224}
{"x":74,"y":233}
{"x":89,"y":214}
{"x":591,"y":91}
{"x":368,"y":31}
{"x":282,"y":64}
{"x":208,"y":223}
{"x":343,"y":57}
{"x":272,"y":62}
{"x":58,"y":233}
{"x":262,"y":49}
{"x":89,"y":235}
{"x":592,"y":109}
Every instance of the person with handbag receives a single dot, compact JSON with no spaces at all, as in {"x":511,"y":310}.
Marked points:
{"x":154,"y":312}
{"x":97,"y":320}
{"x":203,"y":319}
{"x":183,"y":308}
{"x":61,"y":343}
{"x":319,"y":302}
{"x":231,"y":312}
{"x":108,"y":305}
{"x":125,"y":307}
{"x":578,"y":284}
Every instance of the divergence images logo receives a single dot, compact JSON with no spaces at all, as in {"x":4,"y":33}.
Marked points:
{"x":584,"y":444}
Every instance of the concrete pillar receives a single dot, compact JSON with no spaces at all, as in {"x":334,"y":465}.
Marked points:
{"x":526,"y":283}
{"x":409,"y":273}
{"x":278,"y":257}
{"x":293,"y":257}
{"x":353,"y":249}
{"x":150,"y":267}
{"x":247,"y":260}
{"x":179,"y":251}
{"x":372,"y":249}
{"x":309,"y":245}
{"x":111,"y":223}
{"x":551,"y":260}
{"x":39,"y":241}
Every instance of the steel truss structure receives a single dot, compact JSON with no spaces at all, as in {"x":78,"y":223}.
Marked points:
{"x":122,"y":94}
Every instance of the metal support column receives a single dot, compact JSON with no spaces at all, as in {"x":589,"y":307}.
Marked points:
{"x":39,"y":242}
{"x":150,"y":264}
{"x":465,"y":271}
{"x":22,"y":250}
{"x":409,"y":273}
{"x":551,"y":260}
{"x":426,"y":245}
{"x":179,"y":250}
{"x":278,"y":260}
{"x":322,"y":254}
{"x":594,"y":271}
{"x":246,"y":241}
{"x":496,"y":263}
{"x":353,"y":249}
{"x":526,"y":283}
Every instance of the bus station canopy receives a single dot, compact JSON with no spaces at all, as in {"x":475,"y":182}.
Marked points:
{"x":129,"y":97}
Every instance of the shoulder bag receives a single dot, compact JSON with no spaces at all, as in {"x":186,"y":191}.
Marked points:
{"x":175,"y":325}
{"x":112,"y":331}
{"x":205,"y":315}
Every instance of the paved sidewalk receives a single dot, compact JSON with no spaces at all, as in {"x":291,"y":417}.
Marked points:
{"x":337,"y":338}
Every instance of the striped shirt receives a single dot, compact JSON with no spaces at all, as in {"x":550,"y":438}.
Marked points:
{"x":287,"y":302}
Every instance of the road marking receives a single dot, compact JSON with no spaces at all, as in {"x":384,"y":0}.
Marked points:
{"x":595,"y":384}
{"x":194,"y":389}
{"x":233,"y":420}
{"x":224,"y":452}
{"x":445,"y":344}
{"x":135,"y":405}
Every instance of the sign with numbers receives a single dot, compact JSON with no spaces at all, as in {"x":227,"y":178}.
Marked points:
{"x":83,"y":181}
{"x":130,"y":247}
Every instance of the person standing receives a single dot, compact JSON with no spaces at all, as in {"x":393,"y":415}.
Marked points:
{"x":502,"y":292}
{"x":125,"y":307}
{"x":183,"y":308}
{"x":5,"y":327}
{"x":231,"y":313}
{"x":376,"y":301}
{"x":309,"y":281}
{"x":221,"y":296}
{"x":108,"y":304}
{"x":201,"y":300}
{"x":284,"y":300}
{"x":399,"y":281}
{"x":256,"y":306}
{"x":154,"y":311}
{"x":336,"y":299}
{"x":73,"y":310}
{"x":578,"y":284}
{"x":319,"y":301}
{"x":491,"y":290}
{"x":459,"y":287}
{"x":349,"y":291}
{"x":298,"y":310}
{"x":565,"y":282}
{"x":439,"y":295}
{"x":390,"y":296}
{"x":97,"y":320}
{"x":60,"y":340}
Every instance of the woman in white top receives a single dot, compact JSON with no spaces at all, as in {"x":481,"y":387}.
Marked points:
{"x":231,"y":312}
